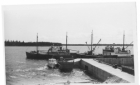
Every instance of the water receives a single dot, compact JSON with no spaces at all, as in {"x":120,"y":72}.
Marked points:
{"x":22,"y":71}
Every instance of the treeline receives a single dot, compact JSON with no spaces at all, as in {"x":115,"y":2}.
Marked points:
{"x":22,"y":43}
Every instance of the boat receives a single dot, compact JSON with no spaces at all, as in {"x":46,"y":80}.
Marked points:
{"x":52,"y":63}
{"x":90,"y":53}
{"x":66,"y":64}
{"x":110,"y":51}
{"x":116,"y":52}
{"x":53,"y":52}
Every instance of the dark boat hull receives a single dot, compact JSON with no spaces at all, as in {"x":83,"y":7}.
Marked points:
{"x":37,"y":56}
{"x":65,"y":66}
{"x":45,"y":56}
{"x":95,"y":56}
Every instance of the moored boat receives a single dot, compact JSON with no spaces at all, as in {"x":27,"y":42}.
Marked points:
{"x":52,"y":63}
{"x":54,"y":51}
{"x":90,"y":53}
{"x":110,"y":51}
{"x":66,"y":64}
{"x":116,"y":52}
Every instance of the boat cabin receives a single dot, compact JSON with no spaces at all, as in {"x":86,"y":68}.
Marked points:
{"x":110,"y":50}
{"x":58,"y":50}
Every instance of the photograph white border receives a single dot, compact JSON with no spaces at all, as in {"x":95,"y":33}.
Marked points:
{"x":25,"y":2}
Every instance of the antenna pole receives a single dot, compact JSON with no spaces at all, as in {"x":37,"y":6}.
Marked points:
{"x":123,"y":42}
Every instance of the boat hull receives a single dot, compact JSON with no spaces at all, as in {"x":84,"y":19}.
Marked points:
{"x":45,"y":56}
{"x":37,"y":56}
{"x":65,"y":66}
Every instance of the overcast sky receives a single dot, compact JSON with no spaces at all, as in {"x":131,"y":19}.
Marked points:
{"x":107,"y":20}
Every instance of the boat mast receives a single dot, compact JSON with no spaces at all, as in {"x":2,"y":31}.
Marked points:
{"x":123,"y":49}
{"x":66,"y":41}
{"x":91,"y":41}
{"x":37,"y":44}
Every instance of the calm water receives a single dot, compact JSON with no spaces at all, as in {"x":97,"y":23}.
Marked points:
{"x":22,"y":71}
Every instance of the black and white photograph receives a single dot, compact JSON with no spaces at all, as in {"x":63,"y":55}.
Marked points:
{"x":70,"y":43}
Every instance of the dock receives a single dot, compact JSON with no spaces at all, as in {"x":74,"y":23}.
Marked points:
{"x":103,"y":71}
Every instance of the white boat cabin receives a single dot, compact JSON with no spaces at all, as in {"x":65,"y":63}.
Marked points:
{"x":110,"y":50}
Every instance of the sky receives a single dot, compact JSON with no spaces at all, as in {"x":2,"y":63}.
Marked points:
{"x":109,"y":21}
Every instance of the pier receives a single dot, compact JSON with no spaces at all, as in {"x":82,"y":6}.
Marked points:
{"x":105,"y":72}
